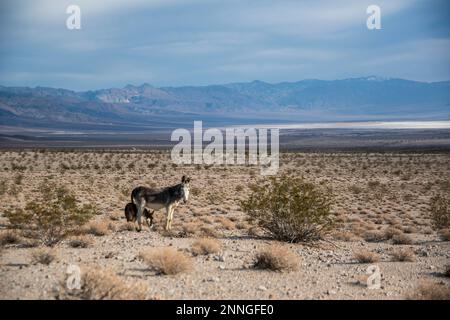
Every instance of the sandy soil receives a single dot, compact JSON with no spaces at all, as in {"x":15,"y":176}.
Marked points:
{"x":373,"y":192}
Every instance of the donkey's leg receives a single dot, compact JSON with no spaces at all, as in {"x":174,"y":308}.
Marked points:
{"x":140,"y":211}
{"x":168,"y":210}
{"x":171,"y":217}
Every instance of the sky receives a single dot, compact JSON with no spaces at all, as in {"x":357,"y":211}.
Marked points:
{"x":202,"y":42}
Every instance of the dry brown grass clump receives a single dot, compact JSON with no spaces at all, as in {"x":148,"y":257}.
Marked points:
{"x":9,"y":237}
{"x":104,"y":284}
{"x":167,"y":261}
{"x":190,"y":228}
{"x":205,"y":246}
{"x":344,"y":236}
{"x":365,"y":256}
{"x":209,"y":232}
{"x":276,"y":258}
{"x":374,"y":236}
{"x":430,"y":290}
{"x":401,"y":238}
{"x":97,"y":228}
{"x":403,"y":255}
{"x":43,"y":256}
{"x":126,"y":226}
{"x":80,"y":242}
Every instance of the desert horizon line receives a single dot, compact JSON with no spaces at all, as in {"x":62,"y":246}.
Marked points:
{"x":367,"y":78}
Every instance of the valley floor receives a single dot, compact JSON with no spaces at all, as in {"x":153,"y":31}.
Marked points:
{"x":375,"y":194}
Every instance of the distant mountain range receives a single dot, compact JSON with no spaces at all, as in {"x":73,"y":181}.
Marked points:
{"x":367,"y":98}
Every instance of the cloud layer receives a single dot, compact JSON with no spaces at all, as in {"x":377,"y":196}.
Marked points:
{"x":174,"y":42}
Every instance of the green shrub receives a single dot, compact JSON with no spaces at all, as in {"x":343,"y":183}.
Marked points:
{"x":290,"y":209}
{"x":52,"y":215}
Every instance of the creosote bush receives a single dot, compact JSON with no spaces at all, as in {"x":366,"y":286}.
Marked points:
{"x":290,"y":209}
{"x":50,"y":217}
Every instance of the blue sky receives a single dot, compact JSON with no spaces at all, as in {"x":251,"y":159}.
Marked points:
{"x":200,"y":42}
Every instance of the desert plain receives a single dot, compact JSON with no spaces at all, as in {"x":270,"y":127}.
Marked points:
{"x":381,"y":212}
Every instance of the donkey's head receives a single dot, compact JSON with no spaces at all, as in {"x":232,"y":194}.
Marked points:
{"x":185,"y":188}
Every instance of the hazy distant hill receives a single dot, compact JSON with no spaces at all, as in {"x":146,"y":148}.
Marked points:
{"x":358,"y":98}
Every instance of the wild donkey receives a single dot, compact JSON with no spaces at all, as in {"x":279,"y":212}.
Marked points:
{"x":156,"y":199}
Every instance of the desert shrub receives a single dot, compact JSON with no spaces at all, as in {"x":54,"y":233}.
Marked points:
{"x":209,"y":232}
{"x":405,"y":255}
{"x":205,"y":246}
{"x":9,"y":237}
{"x":276,"y":258}
{"x":365,"y":256}
{"x":290,"y":209}
{"x":190,"y":228}
{"x":401,"y":238}
{"x":440,"y":211}
{"x":391,"y":232}
{"x":104,"y":284}
{"x":97,"y":228}
{"x":430,"y":290}
{"x":80,"y":242}
{"x":127,"y":226}
{"x":166,"y":261}
{"x":43,"y":256}
{"x":51,"y":216}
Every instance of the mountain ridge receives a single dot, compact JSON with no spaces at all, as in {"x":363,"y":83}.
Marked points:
{"x":323,"y":100}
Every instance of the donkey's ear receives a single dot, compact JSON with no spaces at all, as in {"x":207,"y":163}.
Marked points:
{"x":183,"y":179}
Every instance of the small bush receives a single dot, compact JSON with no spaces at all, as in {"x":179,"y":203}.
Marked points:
{"x":52,"y":216}
{"x":205,"y":246}
{"x":401,"y":238}
{"x":440,"y":211}
{"x":166,"y":261}
{"x":208,"y":232}
{"x":9,"y":237}
{"x":80,"y":242}
{"x":43,"y":256}
{"x":429,"y":290}
{"x":190,"y":228}
{"x":127,"y":226}
{"x":276,"y":258}
{"x":104,"y":284}
{"x":405,"y":255}
{"x":290,"y":209}
{"x":365,"y":256}
{"x":97,"y":228}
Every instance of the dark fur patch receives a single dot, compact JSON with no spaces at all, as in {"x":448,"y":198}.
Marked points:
{"x":131,"y":213}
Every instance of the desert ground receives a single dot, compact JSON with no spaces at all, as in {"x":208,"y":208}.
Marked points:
{"x":381,"y":211}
